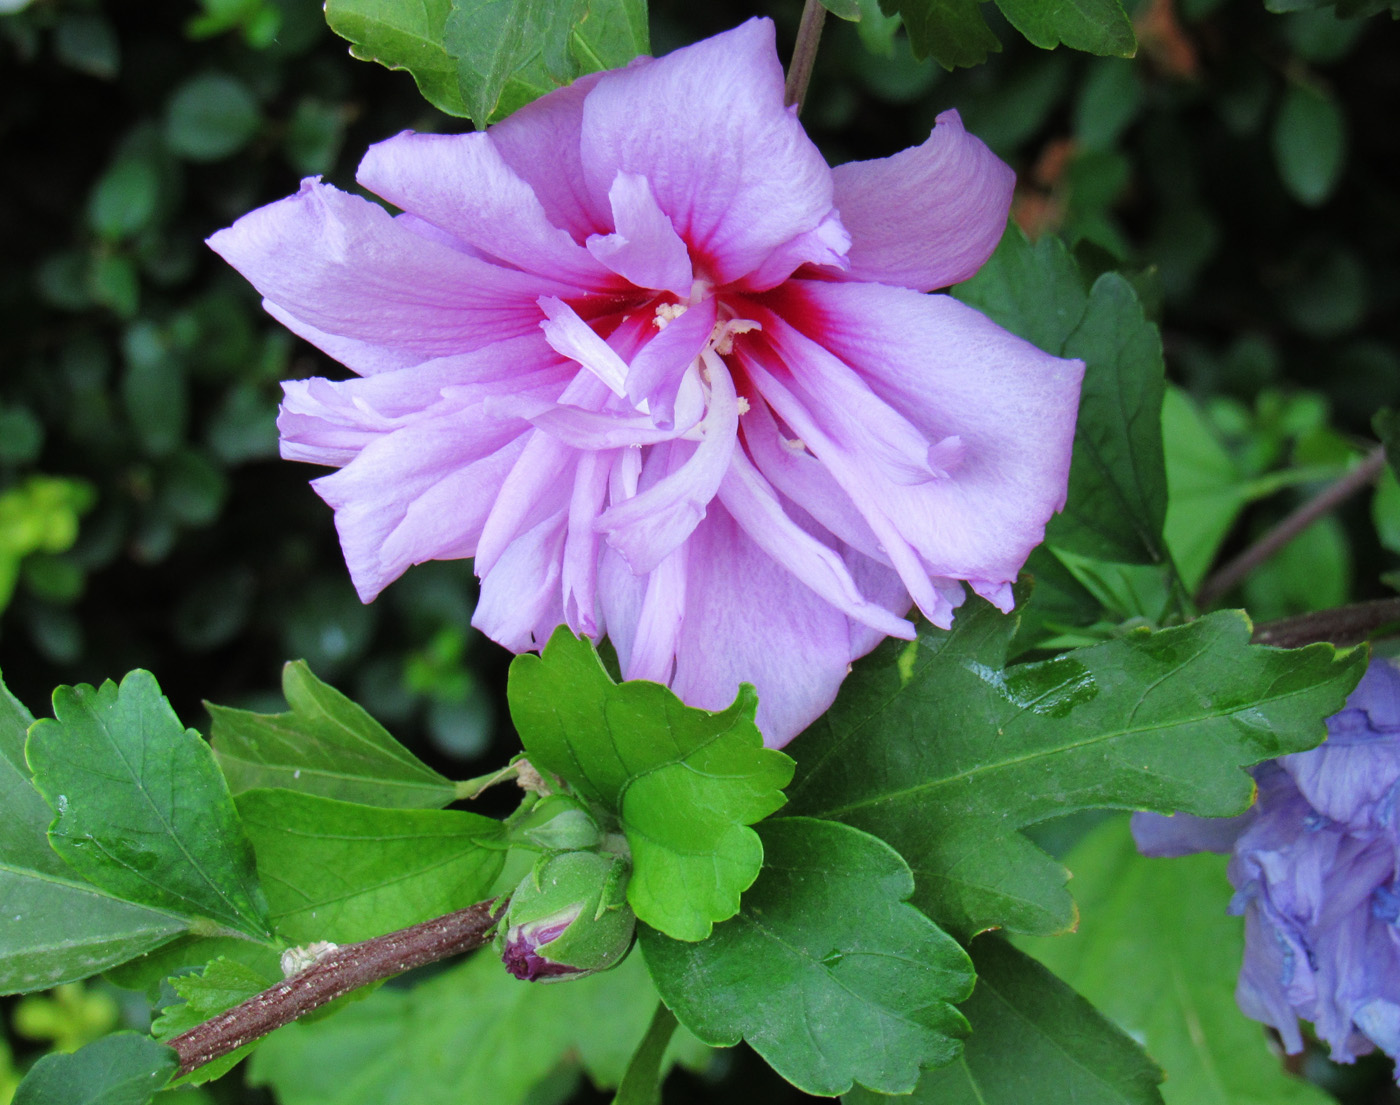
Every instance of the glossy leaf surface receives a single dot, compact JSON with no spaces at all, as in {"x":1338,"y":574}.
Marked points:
{"x":943,"y":751}
{"x":827,"y":972}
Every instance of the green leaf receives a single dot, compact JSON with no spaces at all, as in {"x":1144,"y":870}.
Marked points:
{"x":1095,"y":26}
{"x":57,"y":929}
{"x":1205,"y":488}
{"x":188,"y":954}
{"x":1034,"y":290}
{"x":142,"y":810}
{"x":952,"y":32}
{"x":223,"y":984}
{"x":1034,"y":1040}
{"x":403,"y":36}
{"x":827,"y":972}
{"x":641,"y":1085}
{"x":1162,"y":923}
{"x":492,"y":40}
{"x":24,"y":827}
{"x":1309,"y":137}
{"x":325,"y":744}
{"x":484,"y":58}
{"x":941,"y":750}
{"x":472,"y":1033}
{"x":844,"y":9}
{"x":685,"y":783}
{"x":210,"y":117}
{"x":122,"y":1069}
{"x":343,"y":872}
{"x":54,"y":928}
{"x":1117,"y":481}
{"x":123,"y":201}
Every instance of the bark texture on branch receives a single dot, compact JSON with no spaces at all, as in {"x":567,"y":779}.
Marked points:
{"x":334,"y":975}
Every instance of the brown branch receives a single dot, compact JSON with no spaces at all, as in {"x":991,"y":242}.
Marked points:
{"x":334,"y":975}
{"x":804,"y":54}
{"x":1345,"y":625}
{"x":1275,"y":539}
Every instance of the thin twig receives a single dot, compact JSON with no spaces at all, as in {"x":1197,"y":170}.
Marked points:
{"x":1327,"y":500}
{"x":1344,"y":625}
{"x":333,"y":976}
{"x":804,"y":54}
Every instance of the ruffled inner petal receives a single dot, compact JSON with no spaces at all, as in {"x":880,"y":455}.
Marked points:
{"x":520,"y":602}
{"x":645,"y":248}
{"x":648,"y":526}
{"x":655,"y":374}
{"x":754,"y":505}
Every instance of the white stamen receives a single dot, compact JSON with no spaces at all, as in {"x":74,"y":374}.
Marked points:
{"x":794,"y":444}
{"x":743,"y":405}
{"x":667,"y":313}
{"x":722,"y":337}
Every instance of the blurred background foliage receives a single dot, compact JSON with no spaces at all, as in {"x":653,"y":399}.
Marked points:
{"x":1244,"y":170}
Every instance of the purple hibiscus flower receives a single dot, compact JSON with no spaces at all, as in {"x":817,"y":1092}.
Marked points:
{"x":1315,"y":871}
{"x":668,"y":377}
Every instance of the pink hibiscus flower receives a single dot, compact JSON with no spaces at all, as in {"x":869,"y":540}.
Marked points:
{"x":668,"y":377}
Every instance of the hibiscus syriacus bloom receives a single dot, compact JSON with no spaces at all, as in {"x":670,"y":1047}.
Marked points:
{"x":667,"y":376}
{"x":1315,"y":872}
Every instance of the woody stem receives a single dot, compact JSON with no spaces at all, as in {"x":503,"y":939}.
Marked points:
{"x":804,"y":54}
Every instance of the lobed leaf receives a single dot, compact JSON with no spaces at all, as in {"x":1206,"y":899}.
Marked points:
{"x":54,"y":928}
{"x":684,"y":783}
{"x":1034,"y":1040}
{"x":343,"y":872}
{"x":827,"y":972}
{"x":141,"y":808}
{"x":1157,"y":952}
{"x":943,"y":751}
{"x":223,"y":984}
{"x":125,"y":1068}
{"x":325,"y":744}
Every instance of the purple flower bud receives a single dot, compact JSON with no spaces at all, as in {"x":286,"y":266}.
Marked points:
{"x":569,"y":917}
{"x":521,"y":953}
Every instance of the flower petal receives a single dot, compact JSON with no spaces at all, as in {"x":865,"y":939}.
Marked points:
{"x":648,"y":526}
{"x":329,"y":422}
{"x":726,"y":160}
{"x":460,"y":183}
{"x":952,"y":372}
{"x":655,"y":373}
{"x":571,"y":337}
{"x":580,"y":568}
{"x":754,"y":505}
{"x":645,"y":249}
{"x":419,"y":493}
{"x":749,"y":620}
{"x":520,"y":602}
{"x":929,"y":216}
{"x":659,"y":620}
{"x":541,"y":143}
{"x":343,"y":266}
